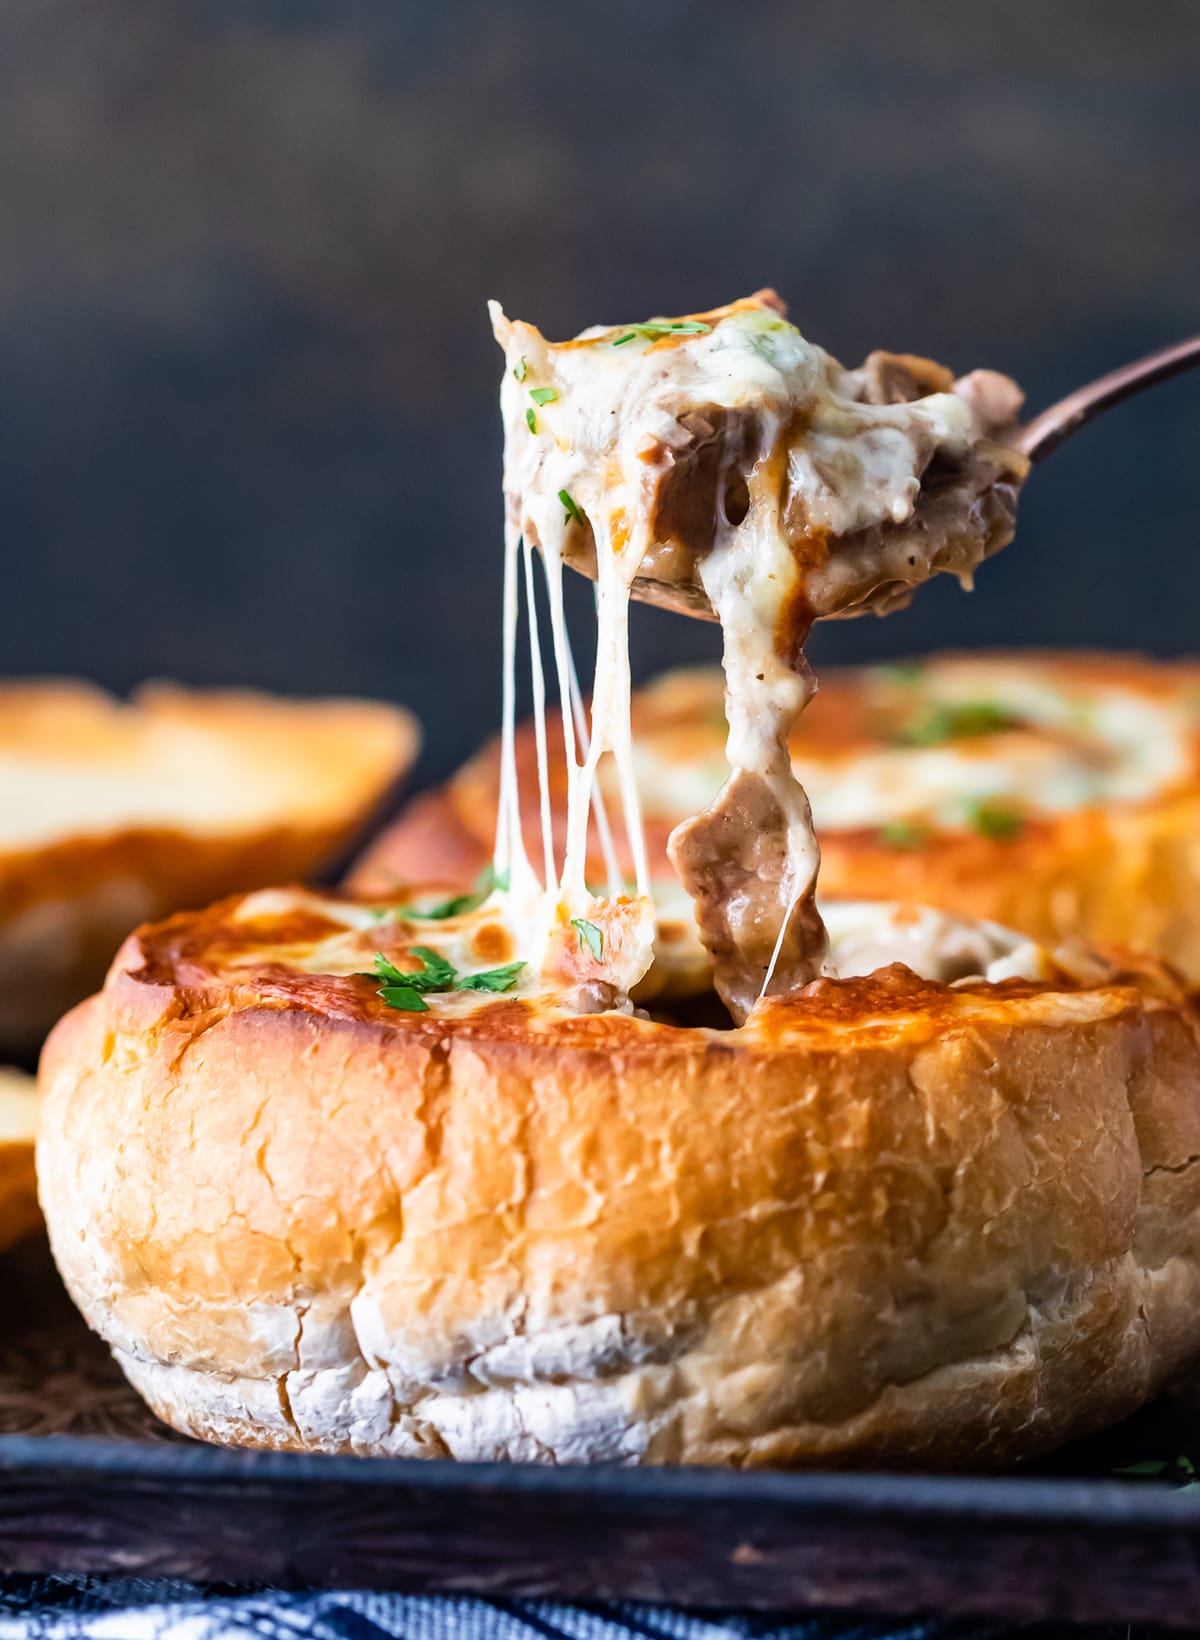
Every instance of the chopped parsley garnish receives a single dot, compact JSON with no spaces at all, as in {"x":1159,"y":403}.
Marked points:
{"x":403,"y":996}
{"x":904,"y":834}
{"x":495,"y":979}
{"x":654,"y":328}
{"x":387,"y":971}
{"x":459,"y":904}
{"x":436,"y":974}
{"x":453,"y":907}
{"x":589,"y":935}
{"x":520,"y":369}
{"x":400,"y":990}
{"x":994,"y":817}
{"x":1181,"y":1470}
{"x":408,"y":990}
{"x":961,"y":721}
{"x":905,"y":670}
{"x":573,"y":512}
{"x":531,"y":421}
{"x":543,"y":395}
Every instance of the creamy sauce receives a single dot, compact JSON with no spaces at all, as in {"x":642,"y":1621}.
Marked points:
{"x":866,"y":935}
{"x":730,"y":458}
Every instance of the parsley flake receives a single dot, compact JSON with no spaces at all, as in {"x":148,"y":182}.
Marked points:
{"x":453,"y":907}
{"x":458,"y":904}
{"x":531,"y":421}
{"x":655,"y":328}
{"x":904,"y":834}
{"x":906,"y":670}
{"x":1181,"y":1470}
{"x":403,"y":996}
{"x":408,"y":989}
{"x":494,"y":979}
{"x":589,"y":935}
{"x":520,"y":369}
{"x":993,"y":817}
{"x":963,"y":720}
{"x":387,"y":971}
{"x":434,"y":974}
{"x":543,"y":395}
{"x":573,"y":512}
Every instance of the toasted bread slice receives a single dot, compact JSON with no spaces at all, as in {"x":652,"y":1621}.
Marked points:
{"x":113,"y":812}
{"x":19,"y":1211}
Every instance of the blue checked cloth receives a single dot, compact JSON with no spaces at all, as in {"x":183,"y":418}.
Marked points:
{"x":81,"y":1608}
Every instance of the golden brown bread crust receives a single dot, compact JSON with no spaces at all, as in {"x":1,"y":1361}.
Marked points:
{"x":19,"y":1210}
{"x":67,"y":899}
{"x":886,"y":1222}
{"x":1114,"y":872}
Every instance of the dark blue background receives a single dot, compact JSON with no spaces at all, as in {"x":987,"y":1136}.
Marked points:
{"x":247,"y":422}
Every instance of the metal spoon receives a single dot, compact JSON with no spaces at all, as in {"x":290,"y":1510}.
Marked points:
{"x":1036,"y":439}
{"x":1047,"y":431}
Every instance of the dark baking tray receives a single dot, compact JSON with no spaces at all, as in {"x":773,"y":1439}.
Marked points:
{"x":90,"y":1482}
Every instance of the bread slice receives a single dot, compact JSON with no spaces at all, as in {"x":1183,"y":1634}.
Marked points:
{"x":115,"y":812}
{"x":19,"y":1211}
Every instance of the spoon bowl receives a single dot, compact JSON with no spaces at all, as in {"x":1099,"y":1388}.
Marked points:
{"x":683,"y":595}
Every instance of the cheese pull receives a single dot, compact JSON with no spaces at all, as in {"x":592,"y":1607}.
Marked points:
{"x":724,"y":465}
{"x":879,"y":477}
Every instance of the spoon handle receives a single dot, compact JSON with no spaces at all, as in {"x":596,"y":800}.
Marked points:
{"x":1047,"y":431}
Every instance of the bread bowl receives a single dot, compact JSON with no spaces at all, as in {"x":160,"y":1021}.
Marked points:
{"x":19,"y":1212}
{"x":450,"y":1175}
{"x":889,"y":1220}
{"x":1058,"y":793}
{"x":113,"y":812}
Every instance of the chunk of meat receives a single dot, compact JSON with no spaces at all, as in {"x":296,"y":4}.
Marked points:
{"x":995,"y":398}
{"x":901,"y":378}
{"x":737,"y":860}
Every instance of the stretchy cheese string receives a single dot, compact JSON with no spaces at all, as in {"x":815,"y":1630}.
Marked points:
{"x":553,"y":573}
{"x":612,"y":868}
{"x":511,"y":863}
{"x":611,"y":731}
{"x":611,"y":691}
{"x":575,"y":732}
{"x":537,"y":678}
{"x":574,"y":723}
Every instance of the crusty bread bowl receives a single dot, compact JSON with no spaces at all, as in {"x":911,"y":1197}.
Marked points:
{"x":418,"y":1177}
{"x":112,"y":812}
{"x":19,"y":1211}
{"x":890,"y":1220}
{"x":1056,"y":793}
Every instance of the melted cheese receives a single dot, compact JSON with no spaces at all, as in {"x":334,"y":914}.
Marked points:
{"x":863,"y":936}
{"x":815,"y":476}
{"x":1068,"y":742}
